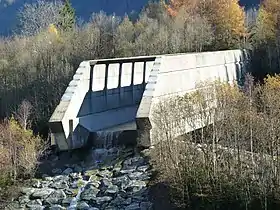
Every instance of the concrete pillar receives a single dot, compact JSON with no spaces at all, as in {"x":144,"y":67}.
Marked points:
{"x":106,"y":82}
{"x":144,"y":74}
{"x":132,"y":79}
{"x":70,"y":144}
{"x":120,"y":75}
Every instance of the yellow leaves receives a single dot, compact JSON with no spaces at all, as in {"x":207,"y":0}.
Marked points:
{"x":226,"y":17}
{"x":52,"y":29}
{"x":176,"y":5}
{"x":267,"y":21}
{"x":272,"y":82}
{"x":18,"y":149}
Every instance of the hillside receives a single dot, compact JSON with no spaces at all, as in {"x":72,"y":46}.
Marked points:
{"x":9,"y":8}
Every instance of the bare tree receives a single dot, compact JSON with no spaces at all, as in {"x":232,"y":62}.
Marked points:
{"x":23,"y":114}
{"x":35,"y":17}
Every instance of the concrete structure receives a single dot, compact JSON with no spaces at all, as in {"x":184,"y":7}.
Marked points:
{"x":119,"y":94}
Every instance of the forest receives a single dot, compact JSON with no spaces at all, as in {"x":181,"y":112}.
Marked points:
{"x":39,"y":59}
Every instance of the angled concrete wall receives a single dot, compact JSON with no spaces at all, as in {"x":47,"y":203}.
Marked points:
{"x":183,"y":73}
{"x":120,"y":94}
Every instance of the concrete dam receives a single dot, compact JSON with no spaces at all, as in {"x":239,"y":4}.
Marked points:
{"x":120,"y":94}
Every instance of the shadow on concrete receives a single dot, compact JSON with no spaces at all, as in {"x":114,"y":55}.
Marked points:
{"x":107,"y":99}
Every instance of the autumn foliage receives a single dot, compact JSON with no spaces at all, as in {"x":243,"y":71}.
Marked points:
{"x":227,"y":18}
{"x":19,"y":147}
{"x":232,"y":163}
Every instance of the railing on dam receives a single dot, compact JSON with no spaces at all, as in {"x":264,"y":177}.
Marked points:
{"x":115,"y":83}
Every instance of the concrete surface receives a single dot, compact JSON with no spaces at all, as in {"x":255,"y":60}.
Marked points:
{"x":120,"y":94}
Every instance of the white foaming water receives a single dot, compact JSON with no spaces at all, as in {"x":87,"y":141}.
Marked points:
{"x":105,"y":144}
{"x":74,"y":201}
{"x":106,"y":139}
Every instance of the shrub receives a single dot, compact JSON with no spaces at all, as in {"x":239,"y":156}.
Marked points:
{"x":19,"y":150}
{"x":232,"y":162}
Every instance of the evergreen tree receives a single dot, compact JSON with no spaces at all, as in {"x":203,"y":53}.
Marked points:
{"x":67,"y":17}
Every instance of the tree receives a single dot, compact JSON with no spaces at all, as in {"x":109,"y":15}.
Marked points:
{"x":35,"y":17}
{"x":226,"y":17}
{"x":175,"y":6}
{"x":125,"y":37}
{"x":267,"y":24}
{"x":67,"y":17}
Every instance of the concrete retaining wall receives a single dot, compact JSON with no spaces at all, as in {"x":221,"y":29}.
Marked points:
{"x":183,"y":73}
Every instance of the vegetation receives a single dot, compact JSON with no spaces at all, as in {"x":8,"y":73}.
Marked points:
{"x":230,"y":164}
{"x":37,"y":62}
{"x":19,"y":150}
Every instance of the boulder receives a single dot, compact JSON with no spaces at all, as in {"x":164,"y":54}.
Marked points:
{"x":55,"y":198}
{"x":89,"y":194}
{"x":67,"y":171}
{"x":42,"y":193}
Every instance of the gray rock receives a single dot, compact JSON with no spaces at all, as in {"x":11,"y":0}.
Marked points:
{"x":139,"y":198}
{"x":67,"y":171}
{"x":82,"y":206}
{"x":42,"y":193}
{"x":60,"y":178}
{"x":44,"y":176}
{"x":138,"y":183}
{"x":36,"y":183}
{"x":128,"y":170}
{"x":66,"y":201}
{"x":35,"y":204}
{"x":59,"y":185}
{"x":75,"y":176}
{"x":127,"y":162}
{"x":112,"y":189}
{"x":135,"y":175}
{"x":128,"y":201}
{"x":143,"y":168}
{"x":94,"y":178}
{"x":122,"y":181}
{"x":78,"y":169}
{"x":57,"y":207}
{"x":133,"y":206}
{"x":120,"y":201}
{"x":105,"y":173}
{"x":105,"y":183}
{"x":14,"y":206}
{"x":89,"y":194}
{"x":27,"y":190}
{"x":45,"y":184}
{"x":138,"y":160}
{"x":23,"y":199}
{"x":110,"y":207}
{"x":146,"y":206}
{"x":94,"y":183}
{"x":56,"y":171}
{"x":68,"y":192}
{"x":93,"y":208}
{"x":101,"y":200}
{"x":55,"y":198}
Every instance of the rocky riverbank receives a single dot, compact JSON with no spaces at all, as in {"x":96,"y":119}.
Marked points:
{"x":107,"y":179}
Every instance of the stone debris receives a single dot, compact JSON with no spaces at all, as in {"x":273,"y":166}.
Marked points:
{"x":121,"y":184}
